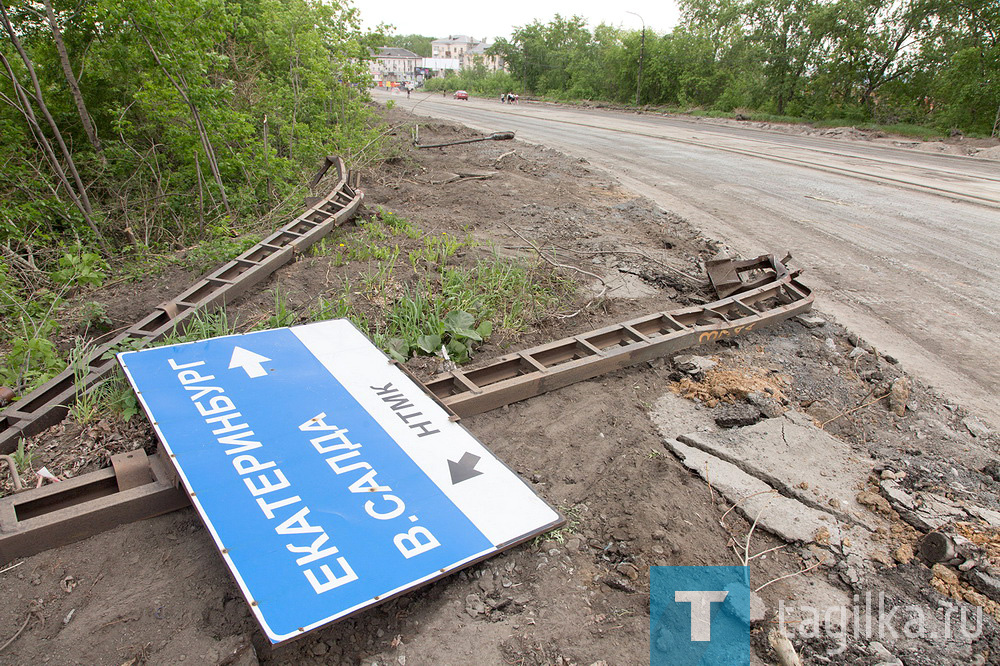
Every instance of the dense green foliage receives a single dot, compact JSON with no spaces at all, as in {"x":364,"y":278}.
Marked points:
{"x":926,"y":62}
{"x":478,"y":80}
{"x":192,"y":115}
{"x":419,"y":44}
{"x":134,"y":128}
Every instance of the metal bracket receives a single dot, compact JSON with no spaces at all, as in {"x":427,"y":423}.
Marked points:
{"x":131,"y":469}
{"x":74,"y":509}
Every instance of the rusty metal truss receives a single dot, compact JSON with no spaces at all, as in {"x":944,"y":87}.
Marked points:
{"x":545,"y":368}
{"x":137,"y":486}
{"x":49,"y":403}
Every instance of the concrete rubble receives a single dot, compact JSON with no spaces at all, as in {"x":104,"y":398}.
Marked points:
{"x":694,"y":365}
{"x":786,"y":518}
{"x":796,"y":458}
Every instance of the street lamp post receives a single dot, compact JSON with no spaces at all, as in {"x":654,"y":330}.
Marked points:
{"x":642,"y":55}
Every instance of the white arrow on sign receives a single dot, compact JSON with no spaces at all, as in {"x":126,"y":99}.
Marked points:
{"x":249,"y":361}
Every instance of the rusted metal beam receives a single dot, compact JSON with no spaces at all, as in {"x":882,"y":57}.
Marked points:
{"x":49,"y":403}
{"x":61,"y":513}
{"x":733,"y":276}
{"x":74,"y":509}
{"x":496,"y":136}
{"x":528,"y":373}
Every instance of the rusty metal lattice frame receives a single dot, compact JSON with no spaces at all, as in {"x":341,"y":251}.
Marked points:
{"x":74,"y":509}
{"x":54,"y":515}
{"x":49,"y":403}
{"x":528,"y":373}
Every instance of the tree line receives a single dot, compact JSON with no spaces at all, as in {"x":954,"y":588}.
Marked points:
{"x":153,"y":124}
{"x":932,"y":63}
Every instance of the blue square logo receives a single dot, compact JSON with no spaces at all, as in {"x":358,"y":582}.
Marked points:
{"x":698,"y":616}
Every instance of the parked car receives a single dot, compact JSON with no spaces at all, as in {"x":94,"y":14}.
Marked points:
{"x":461,"y":94}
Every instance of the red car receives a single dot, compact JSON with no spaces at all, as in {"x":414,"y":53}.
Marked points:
{"x":461,"y":94}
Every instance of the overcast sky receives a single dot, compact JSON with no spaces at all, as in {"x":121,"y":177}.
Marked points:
{"x":490,"y":20}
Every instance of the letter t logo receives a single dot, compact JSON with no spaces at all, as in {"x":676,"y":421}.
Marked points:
{"x":701,"y":610}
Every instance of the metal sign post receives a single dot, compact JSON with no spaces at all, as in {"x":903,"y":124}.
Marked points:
{"x":329,"y":480}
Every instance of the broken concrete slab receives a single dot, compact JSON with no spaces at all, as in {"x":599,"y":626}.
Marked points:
{"x":986,"y":582}
{"x":988,"y":516}
{"x":782,"y":516}
{"x":623,"y":285}
{"x":767,"y":405}
{"x":934,"y":511}
{"x":693,"y":365}
{"x":975,"y":427}
{"x":900,"y":500}
{"x":737,"y":416}
{"x":794,"y":456}
{"x":810,"y":320}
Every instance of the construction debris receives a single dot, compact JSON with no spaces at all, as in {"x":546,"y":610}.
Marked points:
{"x":795,"y":458}
{"x":761,"y":504}
{"x":522,"y":375}
{"x":496,"y":136}
{"x":693,"y":365}
{"x":732,"y":385}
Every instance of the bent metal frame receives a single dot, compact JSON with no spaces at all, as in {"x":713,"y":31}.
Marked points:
{"x":138,"y":485}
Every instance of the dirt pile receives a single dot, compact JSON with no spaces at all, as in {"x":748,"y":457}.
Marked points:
{"x":732,"y":385}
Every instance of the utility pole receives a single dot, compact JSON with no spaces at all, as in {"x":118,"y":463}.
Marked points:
{"x":642,"y":56}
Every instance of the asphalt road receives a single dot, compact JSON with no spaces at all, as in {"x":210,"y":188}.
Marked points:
{"x":902,"y":246}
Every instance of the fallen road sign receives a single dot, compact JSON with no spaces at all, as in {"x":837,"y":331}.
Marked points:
{"x":329,"y":480}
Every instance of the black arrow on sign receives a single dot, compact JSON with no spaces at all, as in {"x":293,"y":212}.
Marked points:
{"x":464,"y":469}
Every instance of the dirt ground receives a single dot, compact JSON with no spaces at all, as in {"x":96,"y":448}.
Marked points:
{"x":156,"y":592}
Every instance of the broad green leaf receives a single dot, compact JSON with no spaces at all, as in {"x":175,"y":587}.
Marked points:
{"x":469,"y":333}
{"x":458,"y":319}
{"x":429,"y":343}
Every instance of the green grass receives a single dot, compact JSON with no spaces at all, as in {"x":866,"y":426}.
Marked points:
{"x":200,"y":326}
{"x":217,"y":251}
{"x":87,"y":405}
{"x":561,"y":534}
{"x":444,"y":305}
{"x":438,"y":249}
{"x":22,"y":457}
{"x":508,"y":292}
{"x":460,"y":307}
{"x":283,"y":315}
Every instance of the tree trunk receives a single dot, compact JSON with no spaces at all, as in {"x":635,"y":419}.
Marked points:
{"x":206,"y":143}
{"x":81,"y":190}
{"x":46,"y":146}
{"x":74,"y":87}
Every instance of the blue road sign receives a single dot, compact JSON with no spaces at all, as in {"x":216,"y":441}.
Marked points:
{"x":328,"y":479}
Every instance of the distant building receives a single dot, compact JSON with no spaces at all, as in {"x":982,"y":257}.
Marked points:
{"x":477,"y":54}
{"x":395,"y":65}
{"x":468,"y":51}
{"x":454,"y":46}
